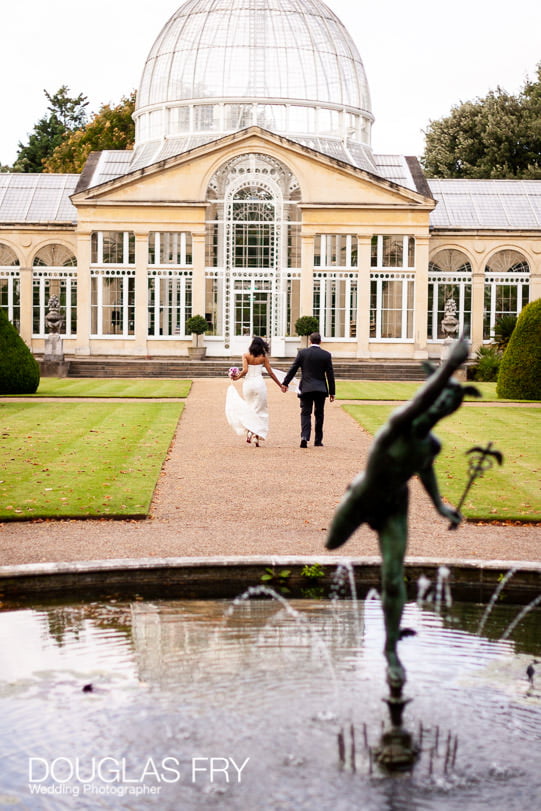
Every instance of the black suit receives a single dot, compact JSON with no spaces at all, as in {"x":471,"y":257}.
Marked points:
{"x":317,"y":382}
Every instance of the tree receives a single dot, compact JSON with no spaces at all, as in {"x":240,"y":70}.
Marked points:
{"x":498,"y":136}
{"x":519,"y":377}
{"x":306,"y":325}
{"x":110,"y":128}
{"x":19,"y":370}
{"x":65,"y":113}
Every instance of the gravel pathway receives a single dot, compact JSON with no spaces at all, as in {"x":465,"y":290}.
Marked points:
{"x":217,"y":495}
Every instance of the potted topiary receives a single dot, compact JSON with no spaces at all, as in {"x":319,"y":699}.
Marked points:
{"x":305,"y":326}
{"x":197,"y":325}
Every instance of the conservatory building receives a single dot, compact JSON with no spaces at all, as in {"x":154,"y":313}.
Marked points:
{"x":253,"y":196}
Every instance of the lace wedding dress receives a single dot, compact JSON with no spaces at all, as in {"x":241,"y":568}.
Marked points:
{"x":249,"y":414}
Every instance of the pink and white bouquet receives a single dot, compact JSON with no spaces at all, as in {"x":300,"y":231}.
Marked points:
{"x":233,"y":372}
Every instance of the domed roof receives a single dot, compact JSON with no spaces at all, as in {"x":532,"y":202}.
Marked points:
{"x":280,"y":49}
{"x":220,"y":65}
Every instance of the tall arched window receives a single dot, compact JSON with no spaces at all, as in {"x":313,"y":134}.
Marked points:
{"x":54,"y":274}
{"x":253,"y":212}
{"x":507,"y":288}
{"x":252,"y":250}
{"x":449,"y":280}
{"x":10,"y":300}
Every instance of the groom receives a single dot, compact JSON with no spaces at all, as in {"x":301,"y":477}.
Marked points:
{"x":317,"y":382}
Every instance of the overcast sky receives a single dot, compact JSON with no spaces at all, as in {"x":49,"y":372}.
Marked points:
{"x":421,"y":57}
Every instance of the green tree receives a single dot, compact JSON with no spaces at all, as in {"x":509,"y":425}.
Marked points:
{"x":519,"y":377}
{"x":64,"y":114}
{"x":110,"y":128}
{"x":498,"y":136}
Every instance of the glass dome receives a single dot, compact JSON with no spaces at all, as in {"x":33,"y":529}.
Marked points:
{"x":218,"y":66}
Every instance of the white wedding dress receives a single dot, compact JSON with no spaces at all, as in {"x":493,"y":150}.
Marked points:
{"x":249,"y":414}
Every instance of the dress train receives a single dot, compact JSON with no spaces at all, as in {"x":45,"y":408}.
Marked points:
{"x":249,"y":414}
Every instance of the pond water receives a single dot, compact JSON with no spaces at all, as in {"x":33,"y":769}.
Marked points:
{"x":213,"y":705}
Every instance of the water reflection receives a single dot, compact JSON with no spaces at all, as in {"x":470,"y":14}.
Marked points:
{"x":178,"y":686}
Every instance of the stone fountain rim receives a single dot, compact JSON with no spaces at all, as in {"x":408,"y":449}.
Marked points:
{"x":205,"y":578}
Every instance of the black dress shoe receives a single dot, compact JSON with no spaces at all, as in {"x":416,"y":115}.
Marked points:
{"x":304,"y":443}
{"x":318,"y":444}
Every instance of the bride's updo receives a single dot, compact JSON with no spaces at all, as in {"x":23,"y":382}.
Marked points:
{"x":258,"y":347}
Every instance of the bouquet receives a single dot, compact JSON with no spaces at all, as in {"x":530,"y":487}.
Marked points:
{"x":233,"y":372}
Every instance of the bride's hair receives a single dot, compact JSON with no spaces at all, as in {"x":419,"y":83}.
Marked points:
{"x":258,"y":347}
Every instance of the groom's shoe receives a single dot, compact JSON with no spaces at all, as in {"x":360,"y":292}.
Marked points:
{"x":304,"y":443}
{"x":318,"y":444}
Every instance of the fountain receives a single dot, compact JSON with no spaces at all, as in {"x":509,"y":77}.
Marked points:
{"x":265,"y":702}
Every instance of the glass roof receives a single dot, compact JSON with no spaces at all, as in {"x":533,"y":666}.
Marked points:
{"x":276,"y":52}
{"x":37,"y":198}
{"x":486,"y":203}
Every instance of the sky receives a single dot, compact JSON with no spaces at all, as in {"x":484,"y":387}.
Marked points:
{"x":421,"y":58}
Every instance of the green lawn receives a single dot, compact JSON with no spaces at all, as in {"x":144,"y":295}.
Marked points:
{"x":101,"y":387}
{"x":510,"y":492}
{"x":82,"y":459}
{"x":395,"y":390}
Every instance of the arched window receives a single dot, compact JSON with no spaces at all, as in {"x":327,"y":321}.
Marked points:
{"x":507,"y":288}
{"x":252,"y":250}
{"x":55,"y":256}
{"x":253,"y":212}
{"x":54,"y":274}
{"x":10,"y":300}
{"x":449,"y":285}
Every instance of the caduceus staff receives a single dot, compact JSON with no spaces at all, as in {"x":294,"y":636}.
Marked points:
{"x":481,"y":460}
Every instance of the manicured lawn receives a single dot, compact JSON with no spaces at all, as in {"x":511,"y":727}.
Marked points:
{"x":101,"y":387}
{"x":82,"y":459}
{"x":509,"y":492}
{"x":395,"y":390}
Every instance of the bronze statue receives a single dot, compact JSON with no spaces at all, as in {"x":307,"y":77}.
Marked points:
{"x":403,"y":447}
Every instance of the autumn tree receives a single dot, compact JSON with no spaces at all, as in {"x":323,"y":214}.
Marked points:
{"x":498,"y":136}
{"x":110,"y":128}
{"x":64,"y":114}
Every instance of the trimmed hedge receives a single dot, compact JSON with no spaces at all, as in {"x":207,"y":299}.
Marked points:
{"x":520,"y":370}
{"x":19,"y":370}
{"x":306,"y":325}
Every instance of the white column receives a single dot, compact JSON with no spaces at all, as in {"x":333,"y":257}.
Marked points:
{"x":420,"y":348}
{"x":363,"y":295}
{"x":477,"y":302}
{"x":307,"y":274}
{"x":141,"y":293}
{"x":26,"y":301}
{"x":198,"y":282}
{"x":82,"y":345}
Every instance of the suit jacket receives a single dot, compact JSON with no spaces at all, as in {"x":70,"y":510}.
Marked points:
{"x":317,"y":373}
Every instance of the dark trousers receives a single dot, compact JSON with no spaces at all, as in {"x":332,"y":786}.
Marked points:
{"x":312,"y":400}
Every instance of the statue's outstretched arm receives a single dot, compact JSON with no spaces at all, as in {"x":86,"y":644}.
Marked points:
{"x":430,"y":483}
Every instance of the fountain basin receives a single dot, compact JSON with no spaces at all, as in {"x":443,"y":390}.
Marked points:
{"x":202,"y":704}
{"x":226,"y":577}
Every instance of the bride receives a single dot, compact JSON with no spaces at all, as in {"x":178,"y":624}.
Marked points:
{"x":250,"y":416}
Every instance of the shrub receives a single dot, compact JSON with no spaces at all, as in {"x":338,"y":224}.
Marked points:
{"x":197,"y":324}
{"x":520,"y":370}
{"x":503,"y":329}
{"x":19,"y":370}
{"x":487,"y":364}
{"x":306,"y":325}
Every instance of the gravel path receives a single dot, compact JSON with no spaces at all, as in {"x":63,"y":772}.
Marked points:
{"x":217,"y":495}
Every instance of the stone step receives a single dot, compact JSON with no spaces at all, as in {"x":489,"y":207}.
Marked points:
{"x":216,"y":367}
